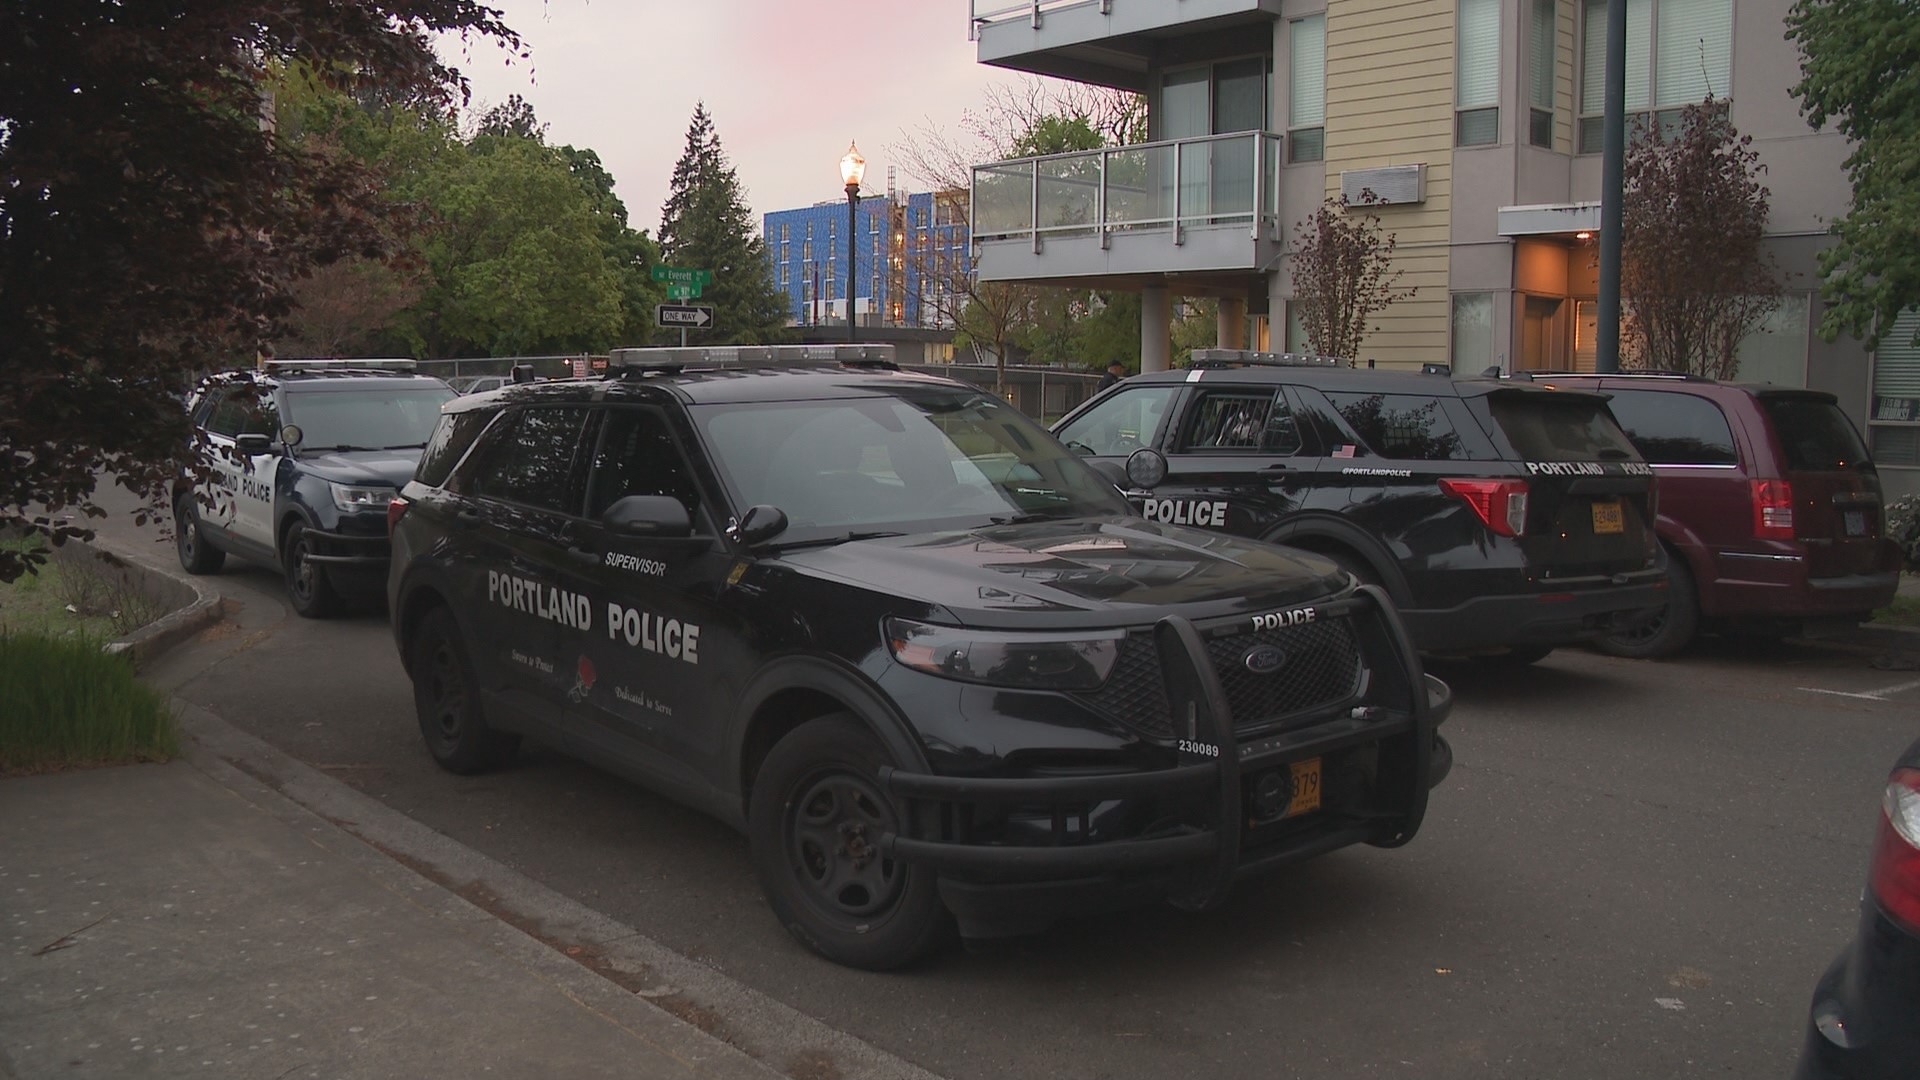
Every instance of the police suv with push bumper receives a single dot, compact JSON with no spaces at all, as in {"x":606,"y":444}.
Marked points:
{"x":1502,"y":518}
{"x":303,"y":459}
{"x":930,"y":661}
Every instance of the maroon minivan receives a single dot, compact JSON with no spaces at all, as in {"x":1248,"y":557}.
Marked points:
{"x":1769,"y":508}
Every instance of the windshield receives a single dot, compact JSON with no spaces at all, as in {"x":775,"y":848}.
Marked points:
{"x":389,"y":418}
{"x":918,"y":459}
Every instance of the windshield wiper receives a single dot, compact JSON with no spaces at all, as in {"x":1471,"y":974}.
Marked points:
{"x":406,"y":446}
{"x":342,"y":447}
{"x":1025,"y":517}
{"x":828,"y":541}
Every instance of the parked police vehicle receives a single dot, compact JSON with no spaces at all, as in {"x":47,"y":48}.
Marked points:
{"x":930,"y":661}
{"x":304,"y":458}
{"x":1503,"y":518}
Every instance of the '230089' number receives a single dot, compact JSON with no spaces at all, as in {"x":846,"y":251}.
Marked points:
{"x":1188,"y":746}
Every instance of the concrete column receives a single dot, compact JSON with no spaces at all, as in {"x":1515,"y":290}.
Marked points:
{"x":1156,"y":328}
{"x":1231,"y":332}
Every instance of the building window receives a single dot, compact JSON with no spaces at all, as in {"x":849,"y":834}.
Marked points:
{"x":1894,"y":428}
{"x":1477,"y":75}
{"x":786,"y":228}
{"x":1776,"y":350}
{"x":1678,"y":52}
{"x":1472,"y":332}
{"x":784,"y":269}
{"x":1540,"y":55}
{"x":1307,"y":98}
{"x":806,"y":249}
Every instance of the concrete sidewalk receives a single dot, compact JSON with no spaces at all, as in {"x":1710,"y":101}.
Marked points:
{"x":162,"y":920}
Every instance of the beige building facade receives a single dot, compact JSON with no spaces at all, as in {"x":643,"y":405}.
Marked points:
{"x":1477,"y":120}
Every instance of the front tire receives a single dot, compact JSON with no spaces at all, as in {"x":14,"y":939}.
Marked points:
{"x":815,"y":824}
{"x":197,"y":556}
{"x":446,"y":698}
{"x":1670,"y":631}
{"x":308,"y":585}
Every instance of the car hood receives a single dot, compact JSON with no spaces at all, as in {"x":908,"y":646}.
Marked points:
{"x":1110,"y":571}
{"x":392,"y":468}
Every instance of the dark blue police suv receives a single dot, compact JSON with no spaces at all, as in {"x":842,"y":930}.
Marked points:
{"x":929,"y":660}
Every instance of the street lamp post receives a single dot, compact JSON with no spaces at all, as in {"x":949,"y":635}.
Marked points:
{"x":852,"y":168}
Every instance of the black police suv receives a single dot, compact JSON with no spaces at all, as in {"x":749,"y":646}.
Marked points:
{"x":1864,"y":1023}
{"x":303,"y":459}
{"x":1502,"y":518}
{"x":930,"y":661}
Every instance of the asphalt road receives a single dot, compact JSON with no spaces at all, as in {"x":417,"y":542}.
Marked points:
{"x":1636,"y":869}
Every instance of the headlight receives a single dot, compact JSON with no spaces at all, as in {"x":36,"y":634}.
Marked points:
{"x":349,"y":498}
{"x":1071,"y":660}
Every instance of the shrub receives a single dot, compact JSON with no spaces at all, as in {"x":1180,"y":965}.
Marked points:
{"x":1903,"y":526}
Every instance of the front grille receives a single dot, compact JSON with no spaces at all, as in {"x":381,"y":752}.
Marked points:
{"x":1322,"y":669}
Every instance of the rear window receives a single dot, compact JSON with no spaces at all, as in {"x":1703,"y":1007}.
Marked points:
{"x":1674,"y":429}
{"x":1814,"y":434}
{"x":1542,"y":427}
{"x":1405,"y":426}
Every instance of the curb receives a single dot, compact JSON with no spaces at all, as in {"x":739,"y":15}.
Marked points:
{"x":685,"y":1003}
{"x":204,"y":607}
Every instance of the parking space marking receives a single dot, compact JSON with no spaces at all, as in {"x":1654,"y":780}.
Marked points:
{"x":1873,"y":695}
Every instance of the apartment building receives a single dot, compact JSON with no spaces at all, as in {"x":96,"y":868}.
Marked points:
{"x":1478,"y":124}
{"x":910,"y":246}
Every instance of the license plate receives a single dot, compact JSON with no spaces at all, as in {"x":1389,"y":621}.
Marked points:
{"x":1856,"y":522}
{"x":1306,"y":787}
{"x":1608,"y":518}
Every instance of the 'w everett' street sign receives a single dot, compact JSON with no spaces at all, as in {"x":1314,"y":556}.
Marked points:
{"x":674,"y":275}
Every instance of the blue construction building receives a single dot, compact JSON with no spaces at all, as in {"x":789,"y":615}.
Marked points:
{"x":912,"y":252}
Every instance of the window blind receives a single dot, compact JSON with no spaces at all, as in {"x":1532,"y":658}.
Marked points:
{"x":1540,"y":55}
{"x":1477,"y":80}
{"x":1307,"y":101}
{"x":1593,"y":56}
{"x":1695,"y":41}
{"x":1896,"y":364}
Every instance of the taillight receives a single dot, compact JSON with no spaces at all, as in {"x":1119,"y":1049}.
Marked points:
{"x":1772,"y":509}
{"x":1500,"y":504}
{"x":396,"y":509}
{"x":1895,"y":878}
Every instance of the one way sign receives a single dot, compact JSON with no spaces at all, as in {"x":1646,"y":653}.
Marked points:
{"x":683,"y":315}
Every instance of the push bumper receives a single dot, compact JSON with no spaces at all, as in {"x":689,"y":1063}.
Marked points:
{"x":349,"y":550}
{"x":1574,"y":611}
{"x":997,"y":888}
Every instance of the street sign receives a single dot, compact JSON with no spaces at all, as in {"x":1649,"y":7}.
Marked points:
{"x":682,"y":292}
{"x":683,"y":315}
{"x":674,"y":275}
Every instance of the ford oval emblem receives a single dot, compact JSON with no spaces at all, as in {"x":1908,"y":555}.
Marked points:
{"x":1264,"y":659}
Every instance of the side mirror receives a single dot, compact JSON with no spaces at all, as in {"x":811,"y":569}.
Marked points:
{"x":759,"y":525}
{"x":1146,"y":468}
{"x":649,"y":517}
{"x":291,"y":435}
{"x":252,"y":445}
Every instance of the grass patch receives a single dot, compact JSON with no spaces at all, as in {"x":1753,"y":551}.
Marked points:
{"x":1904,"y":611}
{"x":71,"y":598}
{"x":70,"y":705}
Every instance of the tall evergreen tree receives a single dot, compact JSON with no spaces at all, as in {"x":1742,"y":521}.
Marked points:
{"x":706,"y":225}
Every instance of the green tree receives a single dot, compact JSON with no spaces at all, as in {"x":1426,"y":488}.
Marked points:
{"x":706,"y":225}
{"x":1860,"y":69}
{"x":151,"y":224}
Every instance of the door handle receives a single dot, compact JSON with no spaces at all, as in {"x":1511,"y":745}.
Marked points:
{"x":467,"y":515}
{"x":1275,"y":467}
{"x":582,"y":555}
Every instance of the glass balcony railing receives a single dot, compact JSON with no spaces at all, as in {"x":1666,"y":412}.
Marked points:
{"x":1212,"y":180}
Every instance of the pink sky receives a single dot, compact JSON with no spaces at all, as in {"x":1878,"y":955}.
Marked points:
{"x":621,"y":78}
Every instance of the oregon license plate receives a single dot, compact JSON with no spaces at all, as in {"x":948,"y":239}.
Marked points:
{"x":1856,"y":522}
{"x":1306,"y":787}
{"x":1608,"y":517}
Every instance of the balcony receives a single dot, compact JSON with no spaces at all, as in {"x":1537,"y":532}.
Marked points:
{"x":1185,"y":207}
{"x":1108,"y":42}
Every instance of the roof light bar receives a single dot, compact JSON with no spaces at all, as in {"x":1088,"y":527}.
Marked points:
{"x":331,"y":363}
{"x":1220,"y":358}
{"x":748,"y":356}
